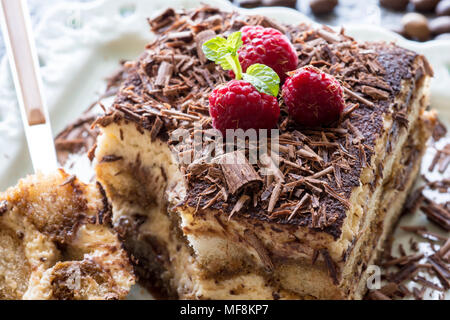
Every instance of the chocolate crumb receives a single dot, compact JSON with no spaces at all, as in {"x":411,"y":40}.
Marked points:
{"x":111,"y":158}
{"x":69,"y":180}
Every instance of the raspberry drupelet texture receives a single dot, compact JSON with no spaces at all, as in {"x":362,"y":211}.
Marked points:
{"x":238,"y":105}
{"x":267,"y":46}
{"x":313,"y":97}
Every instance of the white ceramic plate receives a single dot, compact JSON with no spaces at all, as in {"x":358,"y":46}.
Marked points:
{"x":80,"y":44}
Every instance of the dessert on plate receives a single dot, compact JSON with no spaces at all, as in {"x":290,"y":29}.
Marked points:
{"x":310,"y":228}
{"x":55,"y":242}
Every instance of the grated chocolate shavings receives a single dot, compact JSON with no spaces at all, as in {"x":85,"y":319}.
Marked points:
{"x":305,"y":200}
{"x":378,"y":295}
{"x":413,"y":202}
{"x":390,"y":289}
{"x":427,"y":283}
{"x":69,"y":180}
{"x":76,"y":138}
{"x":442,"y":270}
{"x":407,"y":272}
{"x":274,"y":197}
{"x":358,"y":97}
{"x":111,"y":158}
{"x":238,"y":172}
{"x":439,"y":131}
{"x":374,"y":93}
{"x":403,"y":260}
{"x":349,"y":110}
{"x":436,"y":213}
{"x":239,"y":205}
{"x":418,"y":293}
{"x":156,"y":128}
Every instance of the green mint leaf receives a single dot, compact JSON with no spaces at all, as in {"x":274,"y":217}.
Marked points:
{"x":263,"y":78}
{"x":234,"y":42}
{"x":225,"y":62}
{"x":215,"y":48}
{"x":224,"y":52}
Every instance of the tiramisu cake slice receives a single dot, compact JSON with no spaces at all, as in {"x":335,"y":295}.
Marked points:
{"x":306,"y":223}
{"x":55,"y":242}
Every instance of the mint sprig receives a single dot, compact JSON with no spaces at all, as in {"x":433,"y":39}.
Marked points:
{"x":263,"y":78}
{"x":224,"y":52}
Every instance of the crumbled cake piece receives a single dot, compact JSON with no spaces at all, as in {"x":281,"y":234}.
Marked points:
{"x":308,"y":230}
{"x":55,"y":242}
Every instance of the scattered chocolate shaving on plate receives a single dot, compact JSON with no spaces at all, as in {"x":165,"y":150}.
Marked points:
{"x":377,"y":295}
{"x":442,"y":270}
{"x":440,"y":130}
{"x":418,"y":293}
{"x":414,"y":267}
{"x":436,"y":213}
{"x":424,"y":233}
{"x":427,"y":283}
{"x":407,"y":272}
{"x":76,"y":138}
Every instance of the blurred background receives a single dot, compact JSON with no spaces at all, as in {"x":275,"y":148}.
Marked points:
{"x":420,"y":20}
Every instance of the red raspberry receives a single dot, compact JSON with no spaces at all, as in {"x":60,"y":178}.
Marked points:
{"x":267,"y":46}
{"x":313,"y":97}
{"x":238,"y":104}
